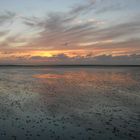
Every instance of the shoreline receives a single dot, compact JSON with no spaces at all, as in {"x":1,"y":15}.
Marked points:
{"x":69,"y":66}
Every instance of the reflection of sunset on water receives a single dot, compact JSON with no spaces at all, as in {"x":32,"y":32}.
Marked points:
{"x":87,"y":78}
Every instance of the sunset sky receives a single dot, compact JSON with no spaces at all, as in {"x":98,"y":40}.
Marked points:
{"x":69,"y":31}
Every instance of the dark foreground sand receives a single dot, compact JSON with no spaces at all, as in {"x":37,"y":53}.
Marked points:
{"x":69,"y":103}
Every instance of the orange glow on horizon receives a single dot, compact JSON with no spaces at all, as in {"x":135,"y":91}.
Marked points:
{"x":70,"y":53}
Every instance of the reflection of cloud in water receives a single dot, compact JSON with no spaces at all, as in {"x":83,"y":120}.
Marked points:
{"x":90,"y":78}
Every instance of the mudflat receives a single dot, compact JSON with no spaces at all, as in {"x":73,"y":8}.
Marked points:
{"x":70,"y":103}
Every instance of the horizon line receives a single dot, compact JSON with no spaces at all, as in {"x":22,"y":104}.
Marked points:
{"x":69,"y":65}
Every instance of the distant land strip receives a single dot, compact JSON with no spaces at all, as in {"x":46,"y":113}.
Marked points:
{"x":68,"y":66}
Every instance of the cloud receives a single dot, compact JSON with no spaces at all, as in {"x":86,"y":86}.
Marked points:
{"x":3,"y":33}
{"x":63,"y":27}
{"x":89,"y":59}
{"x":110,"y":6}
{"x":7,"y":17}
{"x":82,"y":8}
{"x":133,"y":59}
{"x":63,"y":33}
{"x":127,"y":28}
{"x":66,"y":30}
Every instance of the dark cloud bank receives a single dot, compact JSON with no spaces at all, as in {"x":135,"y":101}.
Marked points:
{"x":86,"y":60}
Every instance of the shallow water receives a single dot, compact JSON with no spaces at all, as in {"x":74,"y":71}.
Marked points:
{"x":69,"y":103}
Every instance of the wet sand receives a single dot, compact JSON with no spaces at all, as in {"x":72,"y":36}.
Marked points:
{"x":70,"y":103}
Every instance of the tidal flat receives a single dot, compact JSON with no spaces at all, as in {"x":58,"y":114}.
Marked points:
{"x":70,"y":103}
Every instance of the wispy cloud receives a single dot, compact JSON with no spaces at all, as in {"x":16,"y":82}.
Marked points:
{"x":7,"y":17}
{"x":110,"y":6}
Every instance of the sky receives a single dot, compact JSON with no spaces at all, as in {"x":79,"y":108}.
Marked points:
{"x":69,"y":32}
